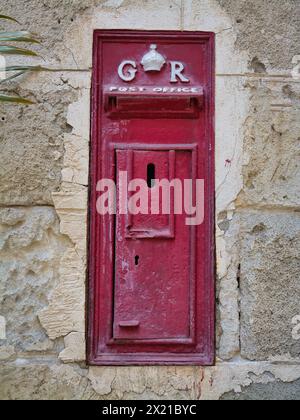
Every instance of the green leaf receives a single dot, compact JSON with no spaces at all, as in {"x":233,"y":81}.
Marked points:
{"x":8,"y":18}
{"x":15,"y":100}
{"x":14,"y":76}
{"x":18,"y":36}
{"x":24,"y":68}
{"x":20,"y":71}
{"x":16,"y":51}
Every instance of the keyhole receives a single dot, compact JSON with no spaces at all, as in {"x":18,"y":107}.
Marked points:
{"x":151,"y":175}
{"x":137,"y":259}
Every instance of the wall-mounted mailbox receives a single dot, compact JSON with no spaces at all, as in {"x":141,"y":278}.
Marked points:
{"x":151,"y":294}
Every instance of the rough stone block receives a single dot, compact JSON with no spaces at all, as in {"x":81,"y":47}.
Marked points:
{"x":75,"y":348}
{"x":272,"y":146}
{"x":232,"y":103}
{"x":147,"y":383}
{"x":30,"y":251}
{"x":44,"y":382}
{"x":32,"y":148}
{"x":272,"y":391}
{"x":269,"y":34}
{"x":227,"y":308}
{"x":270,"y":288}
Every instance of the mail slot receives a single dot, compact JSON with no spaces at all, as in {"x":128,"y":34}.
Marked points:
{"x":151,"y":260}
{"x":151,"y":103}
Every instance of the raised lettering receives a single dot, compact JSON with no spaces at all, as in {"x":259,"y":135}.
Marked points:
{"x":130,"y":73}
{"x":176,"y":72}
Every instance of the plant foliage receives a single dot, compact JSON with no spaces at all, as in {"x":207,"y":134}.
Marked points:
{"x":8,"y":47}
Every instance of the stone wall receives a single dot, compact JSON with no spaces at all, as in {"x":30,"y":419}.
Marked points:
{"x":43,"y":204}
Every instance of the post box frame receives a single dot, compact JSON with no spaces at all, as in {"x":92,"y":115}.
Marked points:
{"x":101,"y":244}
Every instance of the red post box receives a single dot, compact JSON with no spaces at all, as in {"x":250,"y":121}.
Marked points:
{"x":151,"y":291}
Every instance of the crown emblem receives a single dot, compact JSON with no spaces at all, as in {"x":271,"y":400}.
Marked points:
{"x":153,"y":60}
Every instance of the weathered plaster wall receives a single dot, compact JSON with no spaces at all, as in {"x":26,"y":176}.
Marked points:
{"x":43,"y":205}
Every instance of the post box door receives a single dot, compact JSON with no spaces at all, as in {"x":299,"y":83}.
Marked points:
{"x":154,"y":265}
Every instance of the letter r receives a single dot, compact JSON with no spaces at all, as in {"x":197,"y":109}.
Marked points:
{"x":176,"y":72}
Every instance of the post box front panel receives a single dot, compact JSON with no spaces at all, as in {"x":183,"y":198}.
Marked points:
{"x":151,"y":294}
{"x":154,"y":273}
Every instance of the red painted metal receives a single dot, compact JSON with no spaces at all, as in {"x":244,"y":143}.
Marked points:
{"x":151,"y":287}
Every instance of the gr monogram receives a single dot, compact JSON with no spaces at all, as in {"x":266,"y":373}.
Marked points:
{"x":153,"y":61}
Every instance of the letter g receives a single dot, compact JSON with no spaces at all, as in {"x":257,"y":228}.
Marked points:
{"x":130,"y":73}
